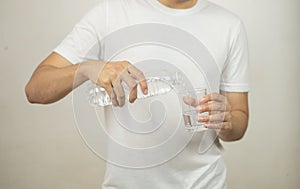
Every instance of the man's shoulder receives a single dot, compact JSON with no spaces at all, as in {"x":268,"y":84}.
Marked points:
{"x":222,"y":14}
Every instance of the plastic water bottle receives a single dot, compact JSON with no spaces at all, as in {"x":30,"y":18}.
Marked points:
{"x":157,"y":85}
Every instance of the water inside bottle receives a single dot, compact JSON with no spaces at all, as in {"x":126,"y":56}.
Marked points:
{"x":156,"y":86}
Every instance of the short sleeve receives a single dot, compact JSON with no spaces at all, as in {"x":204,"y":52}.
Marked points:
{"x":235,"y":74}
{"x":83,"y":42}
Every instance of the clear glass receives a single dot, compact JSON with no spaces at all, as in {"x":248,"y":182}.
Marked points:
{"x":190,"y":100}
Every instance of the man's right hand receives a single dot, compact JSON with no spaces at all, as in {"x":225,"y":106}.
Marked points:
{"x":110,"y":75}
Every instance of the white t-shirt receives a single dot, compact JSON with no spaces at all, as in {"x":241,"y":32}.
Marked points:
{"x":218,"y":31}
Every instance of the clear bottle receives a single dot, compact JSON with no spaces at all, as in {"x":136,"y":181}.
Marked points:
{"x":157,"y":85}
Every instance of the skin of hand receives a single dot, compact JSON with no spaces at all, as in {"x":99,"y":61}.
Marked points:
{"x":56,"y":77}
{"x":110,"y":76}
{"x":227,"y":113}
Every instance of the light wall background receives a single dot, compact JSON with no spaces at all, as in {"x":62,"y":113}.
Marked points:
{"x":41,"y":148}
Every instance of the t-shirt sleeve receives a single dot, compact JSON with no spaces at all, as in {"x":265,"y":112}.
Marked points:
{"x":83,"y":42}
{"x":235,"y":76}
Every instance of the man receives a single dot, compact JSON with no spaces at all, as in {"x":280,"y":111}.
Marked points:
{"x":220,"y":31}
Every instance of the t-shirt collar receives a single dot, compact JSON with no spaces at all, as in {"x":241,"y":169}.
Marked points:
{"x":200,"y":4}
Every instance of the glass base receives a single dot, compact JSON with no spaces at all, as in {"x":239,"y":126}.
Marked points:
{"x":197,"y":128}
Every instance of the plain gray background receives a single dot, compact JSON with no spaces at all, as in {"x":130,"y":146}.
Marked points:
{"x":41,"y":148}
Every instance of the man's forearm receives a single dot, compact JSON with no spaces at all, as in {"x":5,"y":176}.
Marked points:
{"x":239,"y":123}
{"x":50,"y":84}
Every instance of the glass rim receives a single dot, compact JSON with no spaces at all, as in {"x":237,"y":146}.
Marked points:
{"x":191,"y":91}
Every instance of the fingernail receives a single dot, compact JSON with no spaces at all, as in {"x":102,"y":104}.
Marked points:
{"x":199,"y":108}
{"x":201,"y":119}
{"x":146,"y":91}
{"x":202,"y":99}
{"x":131,"y":100}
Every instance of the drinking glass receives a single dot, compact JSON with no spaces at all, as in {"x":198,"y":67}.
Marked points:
{"x":190,"y":100}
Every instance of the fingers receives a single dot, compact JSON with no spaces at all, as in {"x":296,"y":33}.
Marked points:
{"x":110,"y":92}
{"x":132,"y":86}
{"x":217,"y":117}
{"x":213,"y":106}
{"x":111,"y":77}
{"x":113,"y":98}
{"x":139,"y":76}
{"x":212,"y":97}
{"x":219,"y":112}
{"x":221,"y":126}
{"x":190,"y":101}
{"x":119,"y":92}
{"x":213,"y":102}
{"x":209,"y":103}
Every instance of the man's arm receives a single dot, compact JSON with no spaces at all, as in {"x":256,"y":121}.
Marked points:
{"x":52,"y":80}
{"x":239,"y":116}
{"x":228,"y":114}
{"x":56,"y":77}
